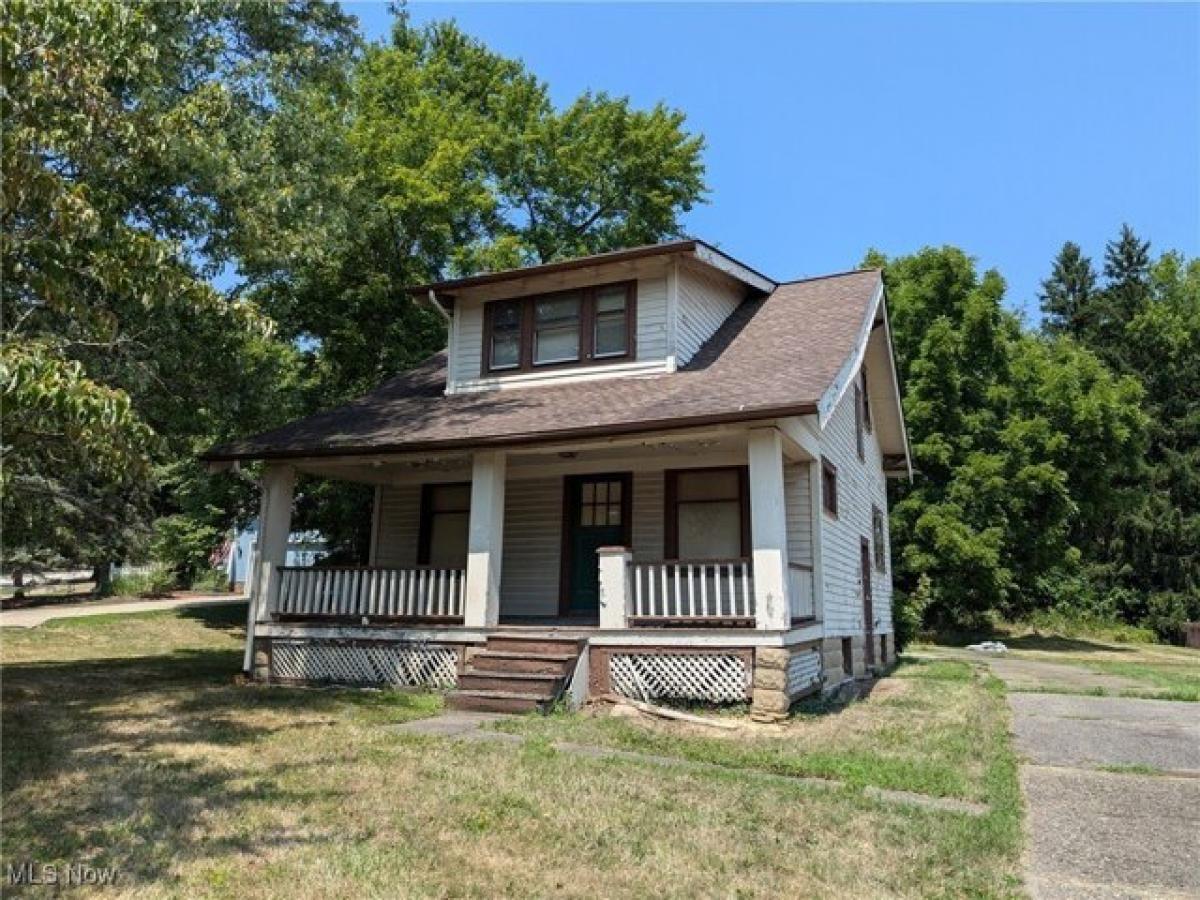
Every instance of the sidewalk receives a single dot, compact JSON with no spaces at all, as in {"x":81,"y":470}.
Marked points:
{"x":31,"y":618}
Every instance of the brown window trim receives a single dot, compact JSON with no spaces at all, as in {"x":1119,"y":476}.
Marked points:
{"x":878,"y":537}
{"x":671,"y":507}
{"x":425,"y":534}
{"x":862,"y":376}
{"x":860,"y":443}
{"x":587,"y":331}
{"x":828,"y":475}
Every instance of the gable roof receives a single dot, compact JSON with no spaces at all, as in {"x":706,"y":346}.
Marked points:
{"x":776,"y":355}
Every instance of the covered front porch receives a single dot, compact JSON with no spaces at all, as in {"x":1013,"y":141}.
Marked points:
{"x":700,"y":529}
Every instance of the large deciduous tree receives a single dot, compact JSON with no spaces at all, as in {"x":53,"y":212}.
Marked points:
{"x":131,"y":151}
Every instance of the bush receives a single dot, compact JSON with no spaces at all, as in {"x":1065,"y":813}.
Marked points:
{"x":909,"y":611}
{"x":1073,"y":623}
{"x":1167,"y":612}
{"x":214,"y":580}
{"x":158,"y":581}
{"x":184,"y":545}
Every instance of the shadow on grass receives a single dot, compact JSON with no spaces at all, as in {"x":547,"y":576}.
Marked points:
{"x":226,"y":617}
{"x":127,"y":755}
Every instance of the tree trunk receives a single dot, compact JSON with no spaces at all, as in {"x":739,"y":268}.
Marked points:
{"x":102,"y":575}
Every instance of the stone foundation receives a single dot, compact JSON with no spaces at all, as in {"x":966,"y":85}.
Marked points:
{"x":782,"y":675}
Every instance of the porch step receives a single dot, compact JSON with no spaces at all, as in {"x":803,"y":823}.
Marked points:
{"x":544,"y":686}
{"x":517,"y":673}
{"x":537,"y":645}
{"x":533,"y":663}
{"x":498,"y":701}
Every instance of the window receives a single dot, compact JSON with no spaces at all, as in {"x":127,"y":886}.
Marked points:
{"x":847,"y":656}
{"x":445,"y":517}
{"x":505,"y":345}
{"x":858,"y":423}
{"x":883,"y":648}
{"x":707,"y":514}
{"x":829,"y":494}
{"x":565,"y":328}
{"x":556,"y":329}
{"x":878,"y":539}
{"x":611,"y":335}
{"x":600,"y":502}
{"x":866,"y":401}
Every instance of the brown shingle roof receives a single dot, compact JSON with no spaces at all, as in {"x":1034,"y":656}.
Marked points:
{"x":774,"y":356}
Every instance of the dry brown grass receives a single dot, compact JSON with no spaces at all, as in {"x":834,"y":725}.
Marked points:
{"x":123,"y":748}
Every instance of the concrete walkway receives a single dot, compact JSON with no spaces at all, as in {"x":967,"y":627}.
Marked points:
{"x":1111,"y":785}
{"x":31,"y":618}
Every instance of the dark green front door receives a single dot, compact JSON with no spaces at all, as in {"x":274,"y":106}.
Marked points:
{"x":597,"y":516}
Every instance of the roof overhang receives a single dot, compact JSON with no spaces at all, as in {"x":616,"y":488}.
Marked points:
{"x":699,"y":250}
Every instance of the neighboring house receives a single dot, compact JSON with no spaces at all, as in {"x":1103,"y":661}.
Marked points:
{"x":304,"y":548}
{"x":653,"y":472}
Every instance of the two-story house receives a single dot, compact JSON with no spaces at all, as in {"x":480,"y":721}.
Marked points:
{"x":654,"y":472}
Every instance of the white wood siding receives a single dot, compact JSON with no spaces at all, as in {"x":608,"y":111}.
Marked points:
{"x":706,"y":299}
{"x":799,"y":512}
{"x":648,"y":501}
{"x":399,"y":519}
{"x":652,"y":318}
{"x":860,"y":484}
{"x":529,"y":576}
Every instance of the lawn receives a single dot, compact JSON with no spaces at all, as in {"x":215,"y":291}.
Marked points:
{"x":127,"y":743}
{"x":1160,"y":671}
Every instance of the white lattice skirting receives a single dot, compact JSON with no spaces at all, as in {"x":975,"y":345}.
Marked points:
{"x":803,"y":671}
{"x":713,"y":677}
{"x":401,"y":665}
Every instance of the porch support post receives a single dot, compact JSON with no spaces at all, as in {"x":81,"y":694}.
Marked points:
{"x":616,"y":585}
{"x":485,"y":540}
{"x":817,"y":523}
{"x":274,"y":525}
{"x":768,"y":530}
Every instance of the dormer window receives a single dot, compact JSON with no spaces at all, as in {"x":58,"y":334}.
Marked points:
{"x":588,"y":325}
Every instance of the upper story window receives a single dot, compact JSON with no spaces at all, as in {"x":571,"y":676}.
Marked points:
{"x":594,"y":324}
{"x":866,"y":395}
{"x":829,"y":491}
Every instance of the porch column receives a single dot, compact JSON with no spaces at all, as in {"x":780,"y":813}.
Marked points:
{"x":616,"y":585}
{"x":485,"y":540}
{"x":768,"y":530}
{"x":274,"y":525}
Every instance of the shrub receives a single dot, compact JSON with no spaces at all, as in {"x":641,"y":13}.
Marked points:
{"x":184,"y":545}
{"x":1166,"y":612}
{"x":909,"y":611}
{"x":211,"y":580}
{"x":156,"y":582}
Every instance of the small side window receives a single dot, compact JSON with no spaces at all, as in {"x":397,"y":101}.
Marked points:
{"x":859,"y":442}
{"x":866,"y":402}
{"x":829,"y":491}
{"x":878,"y":539}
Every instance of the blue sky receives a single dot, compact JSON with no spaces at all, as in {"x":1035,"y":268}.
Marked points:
{"x":1004,"y":129}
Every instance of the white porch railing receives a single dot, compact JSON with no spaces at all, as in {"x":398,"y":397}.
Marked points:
{"x":800,"y":590}
{"x":414,"y":593}
{"x":700,"y":590}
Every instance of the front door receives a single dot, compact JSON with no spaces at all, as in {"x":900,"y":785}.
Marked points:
{"x":597,"y":515}
{"x":868,"y":604}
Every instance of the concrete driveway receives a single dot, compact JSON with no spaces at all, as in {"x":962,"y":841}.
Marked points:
{"x":1111,"y":785}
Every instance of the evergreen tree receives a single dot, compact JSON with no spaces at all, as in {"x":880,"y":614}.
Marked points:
{"x":1068,"y":294}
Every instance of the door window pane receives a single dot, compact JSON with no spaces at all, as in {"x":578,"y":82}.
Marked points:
{"x":556,"y":329}
{"x":612,"y":330}
{"x":506,"y":334}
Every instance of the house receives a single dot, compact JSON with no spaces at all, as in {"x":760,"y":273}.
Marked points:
{"x":653,"y":472}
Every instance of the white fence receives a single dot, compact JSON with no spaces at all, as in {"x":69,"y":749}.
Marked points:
{"x":415,"y":593}
{"x":717,"y":589}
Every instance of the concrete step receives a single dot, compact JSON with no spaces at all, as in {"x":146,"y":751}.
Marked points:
{"x":534,"y":645}
{"x":545,"y":686}
{"x":497,"y":701}
{"x":534,"y":663}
